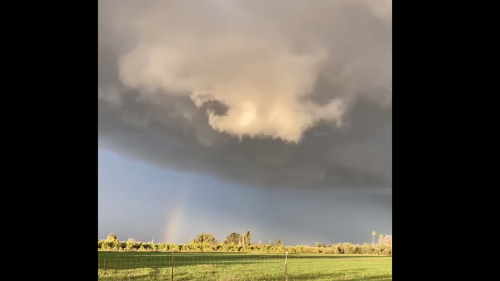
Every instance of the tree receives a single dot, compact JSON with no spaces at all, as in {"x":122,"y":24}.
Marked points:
{"x":381,"y":237}
{"x":248,"y":236}
{"x":131,"y":240}
{"x":199,"y":238}
{"x":111,"y":238}
{"x":387,"y":240}
{"x":233,"y":238}
{"x":373,"y":233}
{"x":210,"y":239}
{"x":277,"y":242}
{"x":205,"y":238}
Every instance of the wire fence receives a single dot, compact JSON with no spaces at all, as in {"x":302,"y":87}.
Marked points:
{"x":178,"y":267}
{"x":241,"y":267}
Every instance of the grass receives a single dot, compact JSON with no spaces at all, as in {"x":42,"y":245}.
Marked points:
{"x":147,"y":266}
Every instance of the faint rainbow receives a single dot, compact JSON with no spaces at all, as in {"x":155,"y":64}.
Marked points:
{"x":173,"y":215}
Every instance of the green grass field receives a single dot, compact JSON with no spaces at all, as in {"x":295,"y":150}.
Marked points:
{"x":240,"y":266}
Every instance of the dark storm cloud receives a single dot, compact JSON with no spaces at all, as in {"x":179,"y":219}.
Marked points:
{"x":302,"y":99}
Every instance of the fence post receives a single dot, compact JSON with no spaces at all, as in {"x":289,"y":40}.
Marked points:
{"x":286,"y":266}
{"x":173,"y":265}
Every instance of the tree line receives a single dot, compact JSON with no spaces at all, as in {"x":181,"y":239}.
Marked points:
{"x":241,"y":243}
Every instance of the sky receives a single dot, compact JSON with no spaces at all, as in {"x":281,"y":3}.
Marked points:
{"x":230,"y":115}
